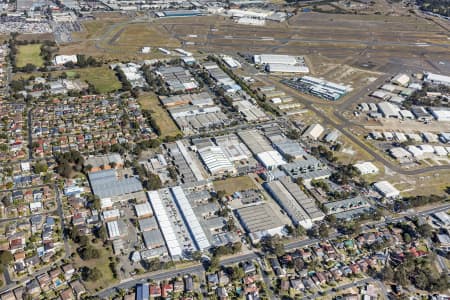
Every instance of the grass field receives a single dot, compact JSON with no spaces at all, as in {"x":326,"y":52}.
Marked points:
{"x":102,"y":263}
{"x":149,"y":101}
{"x":29,"y":54}
{"x":231,"y":185}
{"x":103,"y":78}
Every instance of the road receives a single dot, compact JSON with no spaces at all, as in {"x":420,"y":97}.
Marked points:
{"x":344,"y":125}
{"x":60,"y":209}
{"x":198,"y":269}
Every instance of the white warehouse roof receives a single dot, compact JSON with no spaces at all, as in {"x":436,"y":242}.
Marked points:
{"x":387,"y":189}
{"x":190,"y":218}
{"x":286,"y":68}
{"x":438,"y":79}
{"x":165,"y":224}
{"x":143,"y":209}
{"x":314,"y":131}
{"x":264,"y":59}
{"x":215,"y":160}
{"x":367,"y":168}
{"x":270,"y":159}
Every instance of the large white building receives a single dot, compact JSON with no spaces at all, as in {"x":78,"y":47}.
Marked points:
{"x":314,"y":131}
{"x":386,"y":189}
{"x":264,"y":59}
{"x":270,"y":159}
{"x":437,"y":79}
{"x":63,"y":59}
{"x":440,"y":113}
{"x":216,"y":161}
{"x":286,"y":68}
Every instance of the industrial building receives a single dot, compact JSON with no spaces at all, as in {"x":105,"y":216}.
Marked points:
{"x":177,"y":79}
{"x":440,"y":113}
{"x":105,"y":184}
{"x":279,"y":63}
{"x":286,"y":68}
{"x":264,"y":59}
{"x":190,"y":219}
{"x":216,"y":161}
{"x":299,"y":207}
{"x":114,"y":230}
{"x":166,"y":224}
{"x":386,"y":189}
{"x":178,"y":13}
{"x":270,"y":159}
{"x":260,"y":221}
{"x":437,"y":79}
{"x":143,"y":210}
{"x":233,"y":148}
{"x":250,"y":111}
{"x":188,"y":170}
{"x":318,"y":87}
{"x":366,"y":168}
{"x":348,"y":209}
{"x":153,"y":239}
{"x":200,"y":99}
{"x":60,"y":60}
{"x":389,"y":110}
{"x":309,"y":168}
{"x":256,"y":142}
{"x":313,"y":132}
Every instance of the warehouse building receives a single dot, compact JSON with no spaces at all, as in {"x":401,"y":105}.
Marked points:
{"x":256,"y":142}
{"x":233,"y":148}
{"x":265,"y":59}
{"x":401,"y":79}
{"x":153,"y":239}
{"x":440,"y":113}
{"x":348,"y":209}
{"x":289,"y":148}
{"x":216,"y":161}
{"x":286,"y":68}
{"x":177,"y":79}
{"x":166,"y":224}
{"x":299,"y":207}
{"x":114,"y":231}
{"x":310,"y":168}
{"x":190,"y":219}
{"x":260,"y":221}
{"x":313,"y":132}
{"x":389,"y":110}
{"x":105,"y":184}
{"x":200,"y":99}
{"x":318,"y":87}
{"x":437,"y":79}
{"x":270,"y":159}
{"x":366,"y":168}
{"x":147,"y":224}
{"x":143,"y":210}
{"x":111,"y":215}
{"x":386,"y":189}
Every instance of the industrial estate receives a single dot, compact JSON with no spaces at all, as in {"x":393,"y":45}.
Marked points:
{"x":240,"y":149}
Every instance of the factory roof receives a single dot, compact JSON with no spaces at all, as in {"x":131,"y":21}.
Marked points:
{"x":386,"y":189}
{"x":113,"y":229}
{"x":215,"y":160}
{"x":153,"y":238}
{"x":366,"y":168}
{"x":196,"y":230}
{"x":165,"y":224}
{"x":259,"y":218}
{"x":106,"y":184}
{"x":147,"y":224}
{"x":143,"y":210}
{"x":270,"y":159}
{"x":255,"y":141}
